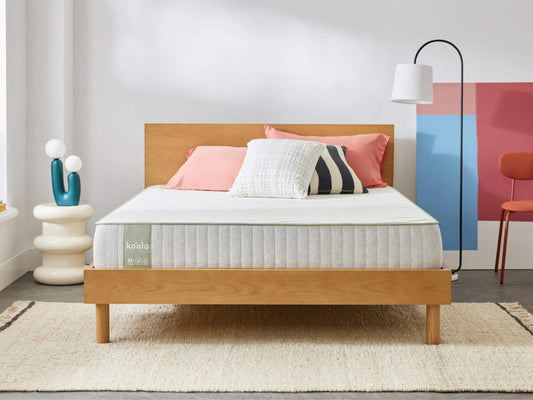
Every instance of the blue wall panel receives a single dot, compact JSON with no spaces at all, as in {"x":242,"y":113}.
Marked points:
{"x":437,"y":176}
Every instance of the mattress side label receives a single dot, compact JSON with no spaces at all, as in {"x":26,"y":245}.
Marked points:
{"x":137,"y":246}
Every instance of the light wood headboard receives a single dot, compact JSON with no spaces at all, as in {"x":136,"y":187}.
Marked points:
{"x":165,"y":144}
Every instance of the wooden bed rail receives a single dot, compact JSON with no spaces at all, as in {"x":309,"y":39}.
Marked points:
{"x":268,"y":286}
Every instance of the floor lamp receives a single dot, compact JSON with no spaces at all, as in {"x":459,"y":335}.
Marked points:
{"x":413,"y":84}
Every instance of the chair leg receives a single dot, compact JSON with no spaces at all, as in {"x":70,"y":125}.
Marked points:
{"x":499,"y":243}
{"x":506,"y":234}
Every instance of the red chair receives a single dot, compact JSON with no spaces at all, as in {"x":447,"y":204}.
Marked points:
{"x":515,"y":166}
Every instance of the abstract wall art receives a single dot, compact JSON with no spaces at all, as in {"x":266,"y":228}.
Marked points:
{"x":498,"y":118}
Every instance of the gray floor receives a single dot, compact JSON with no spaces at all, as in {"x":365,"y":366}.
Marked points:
{"x":473,"y":286}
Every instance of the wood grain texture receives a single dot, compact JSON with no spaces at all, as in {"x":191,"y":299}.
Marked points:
{"x":433,"y":324}
{"x":264,"y":286}
{"x":165,"y":144}
{"x":102,"y":323}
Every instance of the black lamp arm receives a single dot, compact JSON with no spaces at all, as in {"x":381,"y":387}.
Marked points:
{"x":461,"y":152}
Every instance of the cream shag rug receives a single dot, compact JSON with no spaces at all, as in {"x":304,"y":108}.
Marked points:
{"x":50,"y":347}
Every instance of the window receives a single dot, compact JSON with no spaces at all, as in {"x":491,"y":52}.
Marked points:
{"x":3,"y":104}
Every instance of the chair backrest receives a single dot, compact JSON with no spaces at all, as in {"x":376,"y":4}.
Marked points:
{"x":517,"y":165}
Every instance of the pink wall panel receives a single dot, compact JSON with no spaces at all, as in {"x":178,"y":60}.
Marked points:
{"x":446,"y":100}
{"x":504,"y":124}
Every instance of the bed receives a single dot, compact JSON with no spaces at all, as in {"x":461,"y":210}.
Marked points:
{"x":260,"y":265}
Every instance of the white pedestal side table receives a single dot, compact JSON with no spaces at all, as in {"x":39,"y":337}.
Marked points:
{"x":63,"y":242}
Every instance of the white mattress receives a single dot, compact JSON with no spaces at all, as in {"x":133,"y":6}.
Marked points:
{"x":192,"y":229}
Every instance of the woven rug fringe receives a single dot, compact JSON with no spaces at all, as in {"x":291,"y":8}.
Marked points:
{"x":11,"y":312}
{"x":519,"y":312}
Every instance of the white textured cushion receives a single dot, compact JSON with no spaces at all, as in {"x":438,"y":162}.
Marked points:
{"x":277,"y":168}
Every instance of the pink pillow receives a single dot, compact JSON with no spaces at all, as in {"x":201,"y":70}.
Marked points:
{"x":208,"y":168}
{"x":364,"y":153}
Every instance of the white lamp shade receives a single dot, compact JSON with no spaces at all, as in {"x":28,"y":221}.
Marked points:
{"x":413,"y":84}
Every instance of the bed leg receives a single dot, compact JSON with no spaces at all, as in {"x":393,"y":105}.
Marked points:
{"x":102,"y":323}
{"x":433,"y":324}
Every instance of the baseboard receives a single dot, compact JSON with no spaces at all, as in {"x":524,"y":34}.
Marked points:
{"x":33,"y":259}
{"x":484,"y":259}
{"x":13,"y":269}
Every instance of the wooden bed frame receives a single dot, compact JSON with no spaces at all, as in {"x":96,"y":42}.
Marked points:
{"x":165,"y":146}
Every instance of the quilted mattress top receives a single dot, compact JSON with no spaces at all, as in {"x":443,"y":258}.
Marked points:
{"x":382,"y":206}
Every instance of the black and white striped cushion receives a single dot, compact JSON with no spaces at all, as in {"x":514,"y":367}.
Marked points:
{"x":333,"y":175}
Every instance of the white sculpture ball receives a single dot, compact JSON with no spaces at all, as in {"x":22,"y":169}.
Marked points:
{"x":73,"y":163}
{"x":55,"y":148}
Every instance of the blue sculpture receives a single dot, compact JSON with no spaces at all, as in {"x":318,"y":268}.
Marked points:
{"x":55,"y":149}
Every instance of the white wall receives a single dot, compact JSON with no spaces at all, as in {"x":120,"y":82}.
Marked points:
{"x":13,"y":242}
{"x":3,"y":101}
{"x":271,"y":61}
{"x":49,"y":94}
{"x":327,"y":61}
